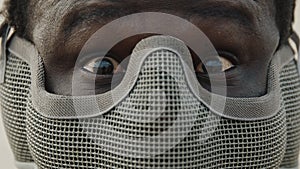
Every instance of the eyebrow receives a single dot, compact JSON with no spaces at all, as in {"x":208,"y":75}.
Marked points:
{"x":111,"y":9}
{"x":239,"y":11}
{"x":92,"y":12}
{"x":224,"y":13}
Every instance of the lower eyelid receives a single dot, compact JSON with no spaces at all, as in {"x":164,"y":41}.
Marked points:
{"x":92,"y":77}
{"x":113,"y":78}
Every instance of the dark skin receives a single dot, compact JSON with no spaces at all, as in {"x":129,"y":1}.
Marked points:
{"x":244,"y":30}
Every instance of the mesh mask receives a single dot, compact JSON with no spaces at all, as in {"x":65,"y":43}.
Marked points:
{"x":159,"y":116}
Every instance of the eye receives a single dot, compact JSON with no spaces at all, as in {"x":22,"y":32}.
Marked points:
{"x":103,"y":66}
{"x":219,"y":65}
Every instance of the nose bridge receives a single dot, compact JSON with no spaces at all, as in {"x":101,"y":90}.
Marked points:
{"x":165,"y":47}
{"x":165,"y":66}
{"x":162,"y":83}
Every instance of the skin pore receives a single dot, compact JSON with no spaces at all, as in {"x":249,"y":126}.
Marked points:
{"x":245,"y":30}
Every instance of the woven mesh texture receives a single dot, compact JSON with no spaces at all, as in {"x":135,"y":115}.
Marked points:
{"x":116,"y":139}
{"x":290,"y":86}
{"x":14,"y":94}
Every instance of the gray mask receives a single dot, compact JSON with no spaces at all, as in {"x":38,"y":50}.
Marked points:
{"x":158,"y":116}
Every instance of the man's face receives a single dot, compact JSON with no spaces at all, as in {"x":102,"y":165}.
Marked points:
{"x":244,"y":32}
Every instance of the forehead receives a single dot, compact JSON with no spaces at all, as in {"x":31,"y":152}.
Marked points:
{"x":49,"y":18}
{"x":55,"y":12}
{"x":59,"y":8}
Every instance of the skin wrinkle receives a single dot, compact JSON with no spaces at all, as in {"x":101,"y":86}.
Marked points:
{"x":59,"y":33}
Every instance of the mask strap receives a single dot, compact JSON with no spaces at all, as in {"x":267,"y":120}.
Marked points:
{"x":296,"y":48}
{"x":4,"y":30}
{"x":296,"y":40}
{"x":6,"y":33}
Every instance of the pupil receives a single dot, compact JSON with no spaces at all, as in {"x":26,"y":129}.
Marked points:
{"x":104,"y":67}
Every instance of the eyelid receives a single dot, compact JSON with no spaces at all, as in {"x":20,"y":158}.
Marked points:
{"x":87,"y":58}
{"x":229,"y":56}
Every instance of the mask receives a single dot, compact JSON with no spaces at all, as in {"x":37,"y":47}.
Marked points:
{"x":159,"y":116}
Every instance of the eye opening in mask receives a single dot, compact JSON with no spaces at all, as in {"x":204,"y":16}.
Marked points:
{"x":224,"y":62}
{"x":102,"y":73}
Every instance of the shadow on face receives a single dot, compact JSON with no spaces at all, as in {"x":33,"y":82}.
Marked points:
{"x":243,"y":32}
